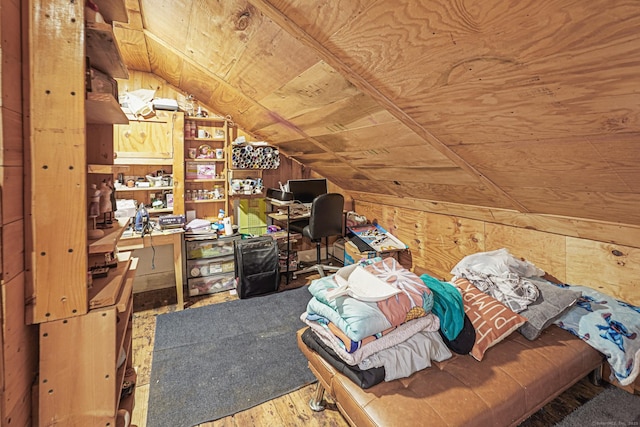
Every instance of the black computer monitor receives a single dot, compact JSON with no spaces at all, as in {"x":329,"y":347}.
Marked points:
{"x":305,"y":190}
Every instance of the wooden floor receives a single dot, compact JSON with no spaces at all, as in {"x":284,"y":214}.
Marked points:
{"x":291,"y":409}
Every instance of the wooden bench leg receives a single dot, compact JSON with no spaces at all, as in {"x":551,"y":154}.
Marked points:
{"x":316,"y":403}
{"x":596,"y":376}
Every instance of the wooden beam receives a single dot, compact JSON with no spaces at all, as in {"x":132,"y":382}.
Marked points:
{"x":292,"y":28}
{"x":57,"y":195}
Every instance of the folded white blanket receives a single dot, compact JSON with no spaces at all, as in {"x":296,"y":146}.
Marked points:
{"x":430,"y":322}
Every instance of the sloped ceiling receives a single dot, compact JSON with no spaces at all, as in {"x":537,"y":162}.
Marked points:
{"x":525,"y":105}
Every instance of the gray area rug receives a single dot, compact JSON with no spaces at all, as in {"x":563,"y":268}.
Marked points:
{"x":612,"y":407}
{"x":215,"y":361}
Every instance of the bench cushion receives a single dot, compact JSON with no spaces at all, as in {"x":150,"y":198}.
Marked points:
{"x":515,"y":379}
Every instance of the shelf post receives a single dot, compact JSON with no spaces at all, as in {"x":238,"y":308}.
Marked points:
{"x":56,"y":201}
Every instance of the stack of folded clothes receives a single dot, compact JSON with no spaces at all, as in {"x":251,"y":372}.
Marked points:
{"x":375,"y":338}
{"x":374,"y":333}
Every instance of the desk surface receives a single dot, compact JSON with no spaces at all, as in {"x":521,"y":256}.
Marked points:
{"x":283,"y":216}
{"x":160,"y":237}
{"x":154,"y":233}
{"x":277,"y":202}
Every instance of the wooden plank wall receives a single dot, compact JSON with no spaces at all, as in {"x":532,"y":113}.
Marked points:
{"x":18,"y":352}
{"x":438,"y":241}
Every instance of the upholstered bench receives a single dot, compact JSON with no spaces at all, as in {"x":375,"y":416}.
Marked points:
{"x":515,"y":378}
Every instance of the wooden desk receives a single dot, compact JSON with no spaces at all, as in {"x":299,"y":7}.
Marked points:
{"x":158,"y":238}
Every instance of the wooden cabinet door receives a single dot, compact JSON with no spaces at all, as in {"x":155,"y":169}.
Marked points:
{"x":146,"y":139}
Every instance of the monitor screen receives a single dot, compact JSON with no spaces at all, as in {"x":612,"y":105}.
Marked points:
{"x":305,"y":190}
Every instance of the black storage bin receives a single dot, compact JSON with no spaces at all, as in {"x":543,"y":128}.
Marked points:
{"x":257,"y":268}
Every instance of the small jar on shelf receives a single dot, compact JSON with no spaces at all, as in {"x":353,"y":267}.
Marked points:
{"x":218,"y":192}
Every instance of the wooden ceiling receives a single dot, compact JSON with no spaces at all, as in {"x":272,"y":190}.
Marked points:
{"x":531,"y":106}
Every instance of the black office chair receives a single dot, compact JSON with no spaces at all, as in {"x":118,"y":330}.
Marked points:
{"x":325,"y":221}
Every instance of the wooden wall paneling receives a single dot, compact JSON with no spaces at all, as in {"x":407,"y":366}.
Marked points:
{"x":575,"y":227}
{"x":300,"y":147}
{"x":219,"y":32}
{"x":449,"y":239}
{"x":547,"y":251}
{"x":11,"y":54}
{"x":618,"y":151}
{"x":333,"y":169}
{"x":255,"y":73}
{"x":610,"y":206}
{"x":611,"y":269}
{"x":204,"y":85}
{"x":326,"y":19}
{"x":162,"y":17}
{"x":410,"y":228}
{"x":11,"y":141}
{"x":289,"y":169}
{"x":146,"y":80}
{"x":541,"y":99}
{"x":469,"y":195}
{"x":228,"y":101}
{"x":515,"y":60}
{"x":99,"y":144}
{"x":79,"y":347}
{"x":363,"y":81}
{"x":134,"y":14}
{"x":154,"y":275}
{"x":165,"y":62}
{"x":320,"y":85}
{"x":133,"y":47}
{"x":574,"y":172}
{"x":20,"y":353}
{"x":12,"y":193}
{"x":57,"y":147}
{"x":269,"y":126}
{"x":113,"y":10}
{"x":572,"y":164}
{"x":354,"y":112}
{"x":13,"y":250}
{"x":377,"y":137}
{"x":20,"y":414}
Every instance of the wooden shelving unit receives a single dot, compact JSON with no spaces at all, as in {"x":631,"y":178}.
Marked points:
{"x":103,"y":50}
{"x":143,"y":146}
{"x":85,"y":326}
{"x":207,"y":208}
{"x":80,"y":375}
{"x":103,"y":108}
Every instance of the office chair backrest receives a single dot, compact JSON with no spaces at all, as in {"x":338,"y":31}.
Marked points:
{"x":326,"y":216}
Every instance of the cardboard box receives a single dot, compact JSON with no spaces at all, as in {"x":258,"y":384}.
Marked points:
{"x":352,"y":254}
{"x":338,"y":250}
